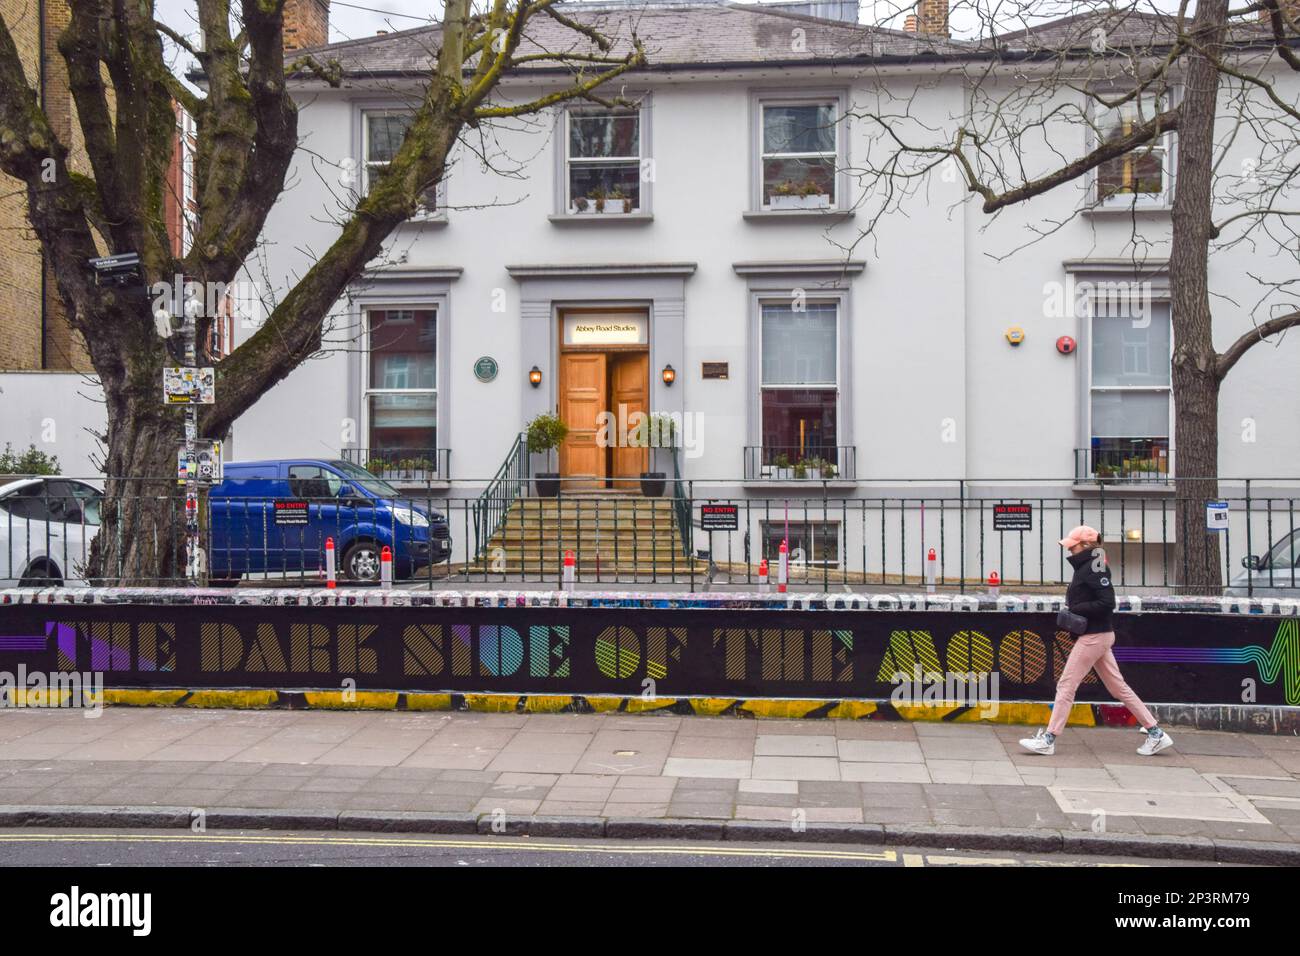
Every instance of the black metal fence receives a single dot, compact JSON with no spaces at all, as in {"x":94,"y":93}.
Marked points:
{"x":851,"y":538}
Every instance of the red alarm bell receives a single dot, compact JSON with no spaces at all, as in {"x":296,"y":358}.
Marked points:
{"x":1065,"y":345}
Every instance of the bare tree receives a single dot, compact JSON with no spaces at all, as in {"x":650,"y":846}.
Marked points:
{"x":1207,"y":77}
{"x":247,"y":132}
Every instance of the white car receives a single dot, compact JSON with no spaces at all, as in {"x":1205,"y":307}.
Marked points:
{"x":1276,"y":574}
{"x":46,"y":528}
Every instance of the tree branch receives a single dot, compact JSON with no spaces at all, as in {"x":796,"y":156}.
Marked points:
{"x":1224,"y":363}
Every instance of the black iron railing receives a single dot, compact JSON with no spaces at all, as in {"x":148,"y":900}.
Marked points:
{"x":403,"y":466}
{"x":800,"y":463}
{"x":1148,"y":461}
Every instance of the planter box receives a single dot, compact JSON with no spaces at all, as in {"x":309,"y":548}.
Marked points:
{"x":613,"y":207}
{"x":818,"y":201}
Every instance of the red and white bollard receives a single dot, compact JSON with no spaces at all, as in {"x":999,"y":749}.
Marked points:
{"x":782,"y":567}
{"x":995,"y":583}
{"x":763,"y":586}
{"x":570,"y":570}
{"x":386,"y":567}
{"x":331,"y":569}
{"x":931,"y":571}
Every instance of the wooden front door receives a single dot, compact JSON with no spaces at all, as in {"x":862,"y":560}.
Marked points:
{"x":628,"y":392}
{"x":583,"y":390}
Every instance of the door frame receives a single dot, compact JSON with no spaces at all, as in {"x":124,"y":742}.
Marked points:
{"x":592,"y":308}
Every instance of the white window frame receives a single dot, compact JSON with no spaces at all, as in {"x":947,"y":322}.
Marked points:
{"x":818,"y":98}
{"x":1158,"y":298}
{"x":1164,"y":147}
{"x":838,"y":302}
{"x":818,"y":529}
{"x":369,"y":389}
{"x":366,"y":164}
{"x":564,"y":202}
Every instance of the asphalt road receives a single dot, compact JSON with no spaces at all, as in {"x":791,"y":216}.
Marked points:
{"x":110,"y":848}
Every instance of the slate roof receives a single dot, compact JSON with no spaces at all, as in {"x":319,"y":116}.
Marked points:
{"x":718,"y":34}
{"x":676,"y":36}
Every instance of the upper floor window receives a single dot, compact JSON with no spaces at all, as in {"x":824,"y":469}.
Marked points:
{"x":602,"y":161}
{"x":382,"y":132}
{"x":1141,"y":175}
{"x":800,"y":149}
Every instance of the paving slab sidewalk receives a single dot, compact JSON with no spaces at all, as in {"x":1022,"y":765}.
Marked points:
{"x":1215,"y":796}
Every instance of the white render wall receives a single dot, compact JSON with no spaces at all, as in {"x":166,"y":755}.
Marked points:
{"x":928,"y":312}
{"x":59,"y":413}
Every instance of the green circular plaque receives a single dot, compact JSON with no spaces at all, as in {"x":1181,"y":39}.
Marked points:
{"x":485,"y":369}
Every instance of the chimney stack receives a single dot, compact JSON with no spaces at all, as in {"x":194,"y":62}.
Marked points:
{"x":932,"y":17}
{"x":306,"y":23}
{"x":1290,"y":8}
{"x":909,"y":24}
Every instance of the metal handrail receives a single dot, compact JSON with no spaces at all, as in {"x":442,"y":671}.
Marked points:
{"x":492,"y":506}
{"x":683,"y":507}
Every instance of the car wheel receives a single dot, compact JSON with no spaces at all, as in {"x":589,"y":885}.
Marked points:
{"x":361,"y":562}
{"x":41,"y":576}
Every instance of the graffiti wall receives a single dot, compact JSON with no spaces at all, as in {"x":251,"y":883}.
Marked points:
{"x":726,"y":651}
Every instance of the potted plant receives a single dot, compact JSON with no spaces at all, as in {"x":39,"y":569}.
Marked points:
{"x":805,"y":195}
{"x":601,"y":200}
{"x":546,"y":433}
{"x":781,"y":467}
{"x":1105,"y":473}
{"x":656,"y":431}
{"x":800,"y":470}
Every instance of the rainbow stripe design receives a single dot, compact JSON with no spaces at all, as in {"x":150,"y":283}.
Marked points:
{"x":1283,"y":658}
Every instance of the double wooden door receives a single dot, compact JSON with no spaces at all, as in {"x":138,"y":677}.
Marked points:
{"x":602,"y":395}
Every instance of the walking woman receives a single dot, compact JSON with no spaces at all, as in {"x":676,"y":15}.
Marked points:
{"x":1092,"y":597}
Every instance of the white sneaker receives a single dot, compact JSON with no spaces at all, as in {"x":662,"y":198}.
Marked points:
{"x":1154,"y":745}
{"x":1039,"y":744}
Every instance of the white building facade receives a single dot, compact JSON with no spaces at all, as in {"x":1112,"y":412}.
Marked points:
{"x":702,"y":254}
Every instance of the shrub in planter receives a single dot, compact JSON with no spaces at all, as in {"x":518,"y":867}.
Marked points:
{"x":656,"y":431}
{"x":546,"y":433}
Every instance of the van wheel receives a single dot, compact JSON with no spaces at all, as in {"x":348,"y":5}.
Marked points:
{"x":361,"y":562}
{"x":41,"y":575}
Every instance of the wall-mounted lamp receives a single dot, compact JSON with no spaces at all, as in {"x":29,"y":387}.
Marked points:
{"x":669,"y":374}
{"x":535,"y":376}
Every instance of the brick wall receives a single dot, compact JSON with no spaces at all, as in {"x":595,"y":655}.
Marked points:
{"x":21,"y":306}
{"x":20,"y":258}
{"x":306,"y":23}
{"x":932,"y":17}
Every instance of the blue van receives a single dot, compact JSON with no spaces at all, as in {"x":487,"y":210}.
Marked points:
{"x":274,"y":517}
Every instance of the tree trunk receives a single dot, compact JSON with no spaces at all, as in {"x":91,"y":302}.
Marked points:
{"x":1195,"y":377}
{"x":142,"y":539}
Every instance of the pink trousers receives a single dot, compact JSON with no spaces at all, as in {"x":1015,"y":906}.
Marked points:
{"x":1092,"y":651}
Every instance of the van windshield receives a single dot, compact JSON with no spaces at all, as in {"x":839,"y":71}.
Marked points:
{"x":359,"y":476}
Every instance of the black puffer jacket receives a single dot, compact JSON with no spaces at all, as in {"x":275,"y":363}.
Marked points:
{"x":1091,"y":594}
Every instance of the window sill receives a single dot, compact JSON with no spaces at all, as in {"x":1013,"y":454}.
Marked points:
{"x":1129,"y":209}
{"x":1126,"y":486}
{"x":434,"y":221}
{"x":807,"y":484}
{"x":798,"y":215}
{"x":602,"y":218}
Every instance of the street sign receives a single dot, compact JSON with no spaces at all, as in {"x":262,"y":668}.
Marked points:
{"x":1013,"y":517}
{"x":189,"y":386}
{"x":720,"y":517}
{"x":1216,"y":516}
{"x":200,"y":463}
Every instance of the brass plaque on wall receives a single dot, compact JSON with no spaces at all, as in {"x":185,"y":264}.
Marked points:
{"x":716,"y":370}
